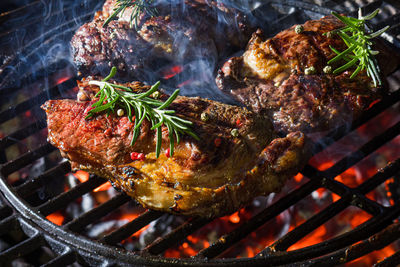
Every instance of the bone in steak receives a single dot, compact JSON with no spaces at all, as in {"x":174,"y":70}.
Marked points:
{"x":270,"y":77}
{"x":208,"y":178}
{"x":179,"y":33}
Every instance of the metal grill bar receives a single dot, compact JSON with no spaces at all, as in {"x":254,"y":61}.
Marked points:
{"x":11,"y":112}
{"x":389,"y":261}
{"x":374,"y":225}
{"x":8,"y":224}
{"x":131,"y":227}
{"x":378,"y":241}
{"x":62,"y":260}
{"x":66,"y":197}
{"x":311,"y":224}
{"x":175,"y":236}
{"x":342,"y":130}
{"x":353,"y":197}
{"x":22,"y":134}
{"x":5,"y":211}
{"x":364,"y":151}
{"x":40,"y":74}
{"x":26,"y":159}
{"x":25,"y":247}
{"x":94,"y":214}
{"x":342,"y":190}
{"x":257,"y":221}
{"x":30,"y":186}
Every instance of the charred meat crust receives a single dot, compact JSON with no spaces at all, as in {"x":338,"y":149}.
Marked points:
{"x":158,"y":39}
{"x":270,"y":77}
{"x":208,"y":178}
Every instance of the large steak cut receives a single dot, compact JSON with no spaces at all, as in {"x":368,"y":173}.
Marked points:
{"x":210,"y":177}
{"x":284,"y":76}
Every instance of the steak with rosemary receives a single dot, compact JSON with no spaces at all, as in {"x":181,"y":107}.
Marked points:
{"x":276,"y":76}
{"x":209,"y":177}
{"x":180,"y":33}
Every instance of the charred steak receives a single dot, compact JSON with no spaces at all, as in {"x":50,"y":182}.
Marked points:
{"x":210,"y":177}
{"x":270,"y":76}
{"x":179,"y":34}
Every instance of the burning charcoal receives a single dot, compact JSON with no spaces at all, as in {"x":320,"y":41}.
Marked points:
{"x":159,"y":228}
{"x":394,"y":188}
{"x":100,"y":229}
{"x":38,"y":167}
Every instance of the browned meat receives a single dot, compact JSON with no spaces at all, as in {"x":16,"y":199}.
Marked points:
{"x":179,"y":34}
{"x":270,"y":76}
{"x":210,"y":177}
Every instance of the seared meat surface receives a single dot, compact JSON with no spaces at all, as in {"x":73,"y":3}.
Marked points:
{"x":210,"y":177}
{"x":179,"y":34}
{"x":270,"y":77}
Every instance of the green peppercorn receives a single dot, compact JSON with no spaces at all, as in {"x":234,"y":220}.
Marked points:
{"x":235,"y":132}
{"x":327,"y":69}
{"x":204,"y":117}
{"x":310,"y":70}
{"x":155,"y":95}
{"x":299,"y":29}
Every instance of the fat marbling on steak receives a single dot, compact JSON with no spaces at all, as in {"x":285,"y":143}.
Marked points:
{"x":270,"y":77}
{"x":180,"y":33}
{"x":211,"y":177}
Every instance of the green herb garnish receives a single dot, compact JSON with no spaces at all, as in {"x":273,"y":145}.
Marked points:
{"x":139,"y":6}
{"x":112,"y":97}
{"x":358,"y":40}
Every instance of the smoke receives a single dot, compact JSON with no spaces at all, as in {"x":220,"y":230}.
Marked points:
{"x":197,"y":35}
{"x":37,"y":35}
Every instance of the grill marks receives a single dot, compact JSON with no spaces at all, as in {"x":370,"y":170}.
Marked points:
{"x":270,"y":77}
{"x":202,"y":178}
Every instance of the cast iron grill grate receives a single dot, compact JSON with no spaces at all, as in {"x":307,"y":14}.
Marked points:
{"x":23,"y":215}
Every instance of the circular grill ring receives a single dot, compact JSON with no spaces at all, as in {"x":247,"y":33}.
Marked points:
{"x":74,"y":244}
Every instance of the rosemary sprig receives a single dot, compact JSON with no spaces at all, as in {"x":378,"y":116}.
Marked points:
{"x":358,"y":40}
{"x":112,"y":96}
{"x":139,"y":6}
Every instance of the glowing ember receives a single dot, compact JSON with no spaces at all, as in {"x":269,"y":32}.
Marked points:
{"x":103,"y":187}
{"x":82,"y":176}
{"x":234,"y":218}
{"x":171,"y":72}
{"x":185,"y":83}
{"x":56,"y":218}
{"x":61,"y":80}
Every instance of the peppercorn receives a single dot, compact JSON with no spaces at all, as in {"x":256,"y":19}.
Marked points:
{"x":120,"y":112}
{"x":299,"y":29}
{"x":310,"y":70}
{"x":327,"y":69}
{"x":235,"y":132}
{"x":155,"y":95}
{"x":204,"y":117}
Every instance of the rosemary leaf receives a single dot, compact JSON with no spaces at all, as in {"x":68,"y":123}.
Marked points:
{"x":113,"y":97}
{"x":355,"y":35}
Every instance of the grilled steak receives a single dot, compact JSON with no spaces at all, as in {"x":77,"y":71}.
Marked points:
{"x":171,"y":37}
{"x":210,"y":177}
{"x":270,"y":76}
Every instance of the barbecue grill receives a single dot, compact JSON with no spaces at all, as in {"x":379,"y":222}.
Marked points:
{"x":34,"y":186}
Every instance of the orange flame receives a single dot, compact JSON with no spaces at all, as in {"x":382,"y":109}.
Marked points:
{"x":56,"y":218}
{"x":83,"y":176}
